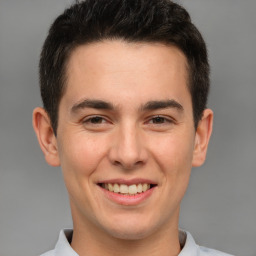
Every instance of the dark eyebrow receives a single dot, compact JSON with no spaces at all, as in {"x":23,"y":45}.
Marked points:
{"x":88,"y":103}
{"x":154,"y":105}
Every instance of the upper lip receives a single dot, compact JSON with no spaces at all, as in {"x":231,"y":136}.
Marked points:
{"x":128,"y":181}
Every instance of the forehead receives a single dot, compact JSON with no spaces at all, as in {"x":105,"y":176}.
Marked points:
{"x":124,"y":54}
{"x":119,"y":67}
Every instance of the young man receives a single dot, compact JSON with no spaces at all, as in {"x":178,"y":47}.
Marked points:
{"x":124,"y":86}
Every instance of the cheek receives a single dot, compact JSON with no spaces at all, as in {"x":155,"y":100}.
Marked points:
{"x":173,"y":154}
{"x":81,"y":155}
{"x":174,"y":151}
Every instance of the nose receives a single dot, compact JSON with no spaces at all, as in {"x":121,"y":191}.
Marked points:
{"x":128,"y":150}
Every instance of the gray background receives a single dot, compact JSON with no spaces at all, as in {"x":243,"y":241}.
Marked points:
{"x":219,"y":208}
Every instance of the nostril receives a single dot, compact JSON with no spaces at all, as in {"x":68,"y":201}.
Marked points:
{"x":139,"y":163}
{"x":117,"y":163}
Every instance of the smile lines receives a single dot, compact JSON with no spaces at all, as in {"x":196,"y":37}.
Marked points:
{"x":125,"y":189}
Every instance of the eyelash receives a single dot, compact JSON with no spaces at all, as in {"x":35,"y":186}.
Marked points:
{"x":164,"y":120}
{"x":155,"y":120}
{"x":89,"y":120}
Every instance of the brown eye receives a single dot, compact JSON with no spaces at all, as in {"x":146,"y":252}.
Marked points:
{"x":96,"y":120}
{"x":158,"y":120}
{"x":96,"y":123}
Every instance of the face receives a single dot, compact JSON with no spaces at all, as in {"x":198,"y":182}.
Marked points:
{"x":126,"y":139}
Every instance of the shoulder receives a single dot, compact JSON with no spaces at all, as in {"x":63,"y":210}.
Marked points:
{"x":62,"y":247}
{"x":203,"y":251}
{"x":190,"y":248}
{"x":49,"y":253}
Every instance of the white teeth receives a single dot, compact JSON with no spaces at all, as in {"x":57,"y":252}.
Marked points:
{"x":116,"y":188}
{"x":139,"y":188}
{"x":125,"y":189}
{"x":132,"y":189}
{"x":110,"y":187}
{"x":144,"y":187}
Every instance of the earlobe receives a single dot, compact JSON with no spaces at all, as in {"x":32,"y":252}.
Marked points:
{"x":202,"y":138}
{"x":46,"y":137}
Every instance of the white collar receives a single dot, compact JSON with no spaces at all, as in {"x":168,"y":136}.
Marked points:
{"x":189,"y":247}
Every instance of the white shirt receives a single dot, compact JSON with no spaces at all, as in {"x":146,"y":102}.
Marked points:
{"x":190,"y":248}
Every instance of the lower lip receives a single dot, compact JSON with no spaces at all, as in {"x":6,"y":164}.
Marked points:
{"x":128,"y":200}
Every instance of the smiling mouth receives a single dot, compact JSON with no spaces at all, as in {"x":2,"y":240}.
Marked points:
{"x":128,"y":190}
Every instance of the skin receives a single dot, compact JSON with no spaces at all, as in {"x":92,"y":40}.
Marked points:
{"x":125,"y":139}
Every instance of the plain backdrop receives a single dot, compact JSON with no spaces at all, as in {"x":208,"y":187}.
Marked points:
{"x":219,"y":208}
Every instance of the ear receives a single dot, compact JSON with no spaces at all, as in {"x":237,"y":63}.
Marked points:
{"x":203,"y":134}
{"x":46,"y":137}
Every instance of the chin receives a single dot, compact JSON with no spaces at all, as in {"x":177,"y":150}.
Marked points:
{"x":130,"y":234}
{"x":130,"y":230}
